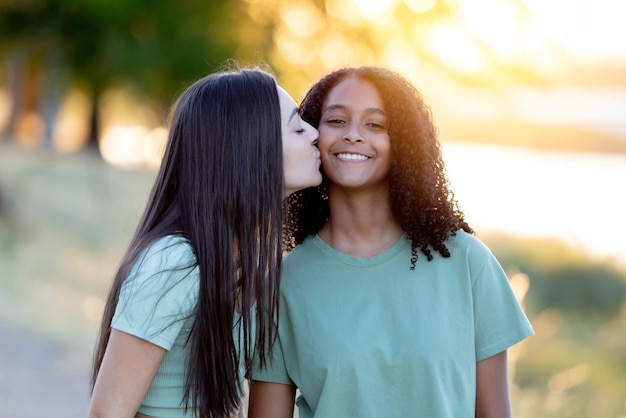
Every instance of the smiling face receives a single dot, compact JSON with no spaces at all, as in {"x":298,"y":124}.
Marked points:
{"x":354,"y":144}
{"x":301,"y":158}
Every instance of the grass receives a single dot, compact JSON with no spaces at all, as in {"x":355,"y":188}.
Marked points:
{"x":65,"y":221}
{"x":64,"y":224}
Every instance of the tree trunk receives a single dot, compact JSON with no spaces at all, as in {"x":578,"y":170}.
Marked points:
{"x":93,"y":140}
{"x":15,"y":80}
{"x":53,"y":89}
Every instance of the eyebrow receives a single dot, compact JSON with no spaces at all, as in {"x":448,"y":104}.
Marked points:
{"x":294,"y":112}
{"x":342,"y":107}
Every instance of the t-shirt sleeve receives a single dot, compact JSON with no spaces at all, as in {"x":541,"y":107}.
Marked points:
{"x":275,"y":370}
{"x":159,"y":293}
{"x":500,"y":321}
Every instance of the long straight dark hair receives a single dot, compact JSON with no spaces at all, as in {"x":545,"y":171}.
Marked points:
{"x":220,"y":186}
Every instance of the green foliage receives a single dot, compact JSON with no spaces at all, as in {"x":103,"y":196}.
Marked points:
{"x":593,"y":288}
{"x":574,"y":364}
{"x":158,"y":46}
{"x":573,"y":367}
{"x":564,"y":277}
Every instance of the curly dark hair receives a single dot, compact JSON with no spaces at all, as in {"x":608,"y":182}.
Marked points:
{"x":420,"y":197}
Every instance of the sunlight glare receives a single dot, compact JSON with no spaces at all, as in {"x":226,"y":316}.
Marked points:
{"x":337,"y":12}
{"x":71,"y":130}
{"x":123,"y":145}
{"x":520,"y":284}
{"x":584,"y":29}
{"x":453,"y":46}
{"x":400,"y":56}
{"x":346,"y":14}
{"x":290,"y":48}
{"x":338,"y":51}
{"x":374,"y":7}
{"x":420,"y":6}
{"x":154,"y":144}
{"x":132,"y":146}
{"x":495,"y":23}
{"x":126,"y":106}
{"x":303,"y":20}
{"x":259,"y":11}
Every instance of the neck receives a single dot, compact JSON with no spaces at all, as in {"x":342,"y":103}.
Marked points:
{"x":361,"y":223}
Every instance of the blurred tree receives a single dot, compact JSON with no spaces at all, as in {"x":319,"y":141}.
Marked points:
{"x":23,"y":44}
{"x":309,"y":38}
{"x":157,"y":46}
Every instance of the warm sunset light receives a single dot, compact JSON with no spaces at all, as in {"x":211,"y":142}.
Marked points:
{"x":583,"y":29}
{"x":302,"y":20}
{"x":5,"y":106}
{"x":373,"y":7}
{"x":420,"y":6}
{"x":400,"y":55}
{"x":70,"y":131}
{"x":453,"y":45}
{"x":133,"y":146}
{"x":487,"y":40}
{"x":494,"y":23}
{"x":528,"y":101}
{"x":30,"y":129}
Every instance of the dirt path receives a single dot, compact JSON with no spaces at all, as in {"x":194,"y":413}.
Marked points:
{"x":39,"y":377}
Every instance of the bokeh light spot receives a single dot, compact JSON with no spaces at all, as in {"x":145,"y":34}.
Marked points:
{"x":420,"y":6}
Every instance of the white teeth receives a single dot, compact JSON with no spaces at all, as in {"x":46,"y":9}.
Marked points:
{"x":355,"y":157}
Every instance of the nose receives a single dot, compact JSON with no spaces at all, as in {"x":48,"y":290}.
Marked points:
{"x":353,"y":135}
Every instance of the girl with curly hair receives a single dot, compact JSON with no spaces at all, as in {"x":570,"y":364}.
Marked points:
{"x":390,"y":306}
{"x":197,"y":288}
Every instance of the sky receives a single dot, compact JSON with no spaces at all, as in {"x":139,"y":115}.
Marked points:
{"x":589,"y":30}
{"x":579,"y":44}
{"x":593,"y":34}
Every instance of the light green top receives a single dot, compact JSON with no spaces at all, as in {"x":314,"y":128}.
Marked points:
{"x":157,"y":303}
{"x":368,"y":337}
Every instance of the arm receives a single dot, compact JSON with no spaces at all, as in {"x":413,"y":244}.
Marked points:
{"x":492,"y":388}
{"x":271,"y":400}
{"x":126,"y":373}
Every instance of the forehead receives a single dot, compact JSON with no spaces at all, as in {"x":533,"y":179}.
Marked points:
{"x":285,"y":99}
{"x":354,"y":91}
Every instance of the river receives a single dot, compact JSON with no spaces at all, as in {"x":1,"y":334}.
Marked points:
{"x":577,"y":197}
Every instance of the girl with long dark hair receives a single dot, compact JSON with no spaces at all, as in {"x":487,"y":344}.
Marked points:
{"x":197,"y":289}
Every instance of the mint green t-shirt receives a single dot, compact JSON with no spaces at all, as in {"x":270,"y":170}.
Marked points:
{"x":157,"y":303}
{"x":368,"y":337}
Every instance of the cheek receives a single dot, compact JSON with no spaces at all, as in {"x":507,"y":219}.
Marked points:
{"x":384,"y":144}
{"x":294,"y":152}
{"x":323,"y":142}
{"x":286,"y":150}
{"x":288,"y":155}
{"x":293,"y":143}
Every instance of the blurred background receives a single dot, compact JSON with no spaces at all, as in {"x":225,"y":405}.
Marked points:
{"x":529,"y":97}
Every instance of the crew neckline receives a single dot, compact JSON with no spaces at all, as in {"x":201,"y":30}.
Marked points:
{"x":375,"y":260}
